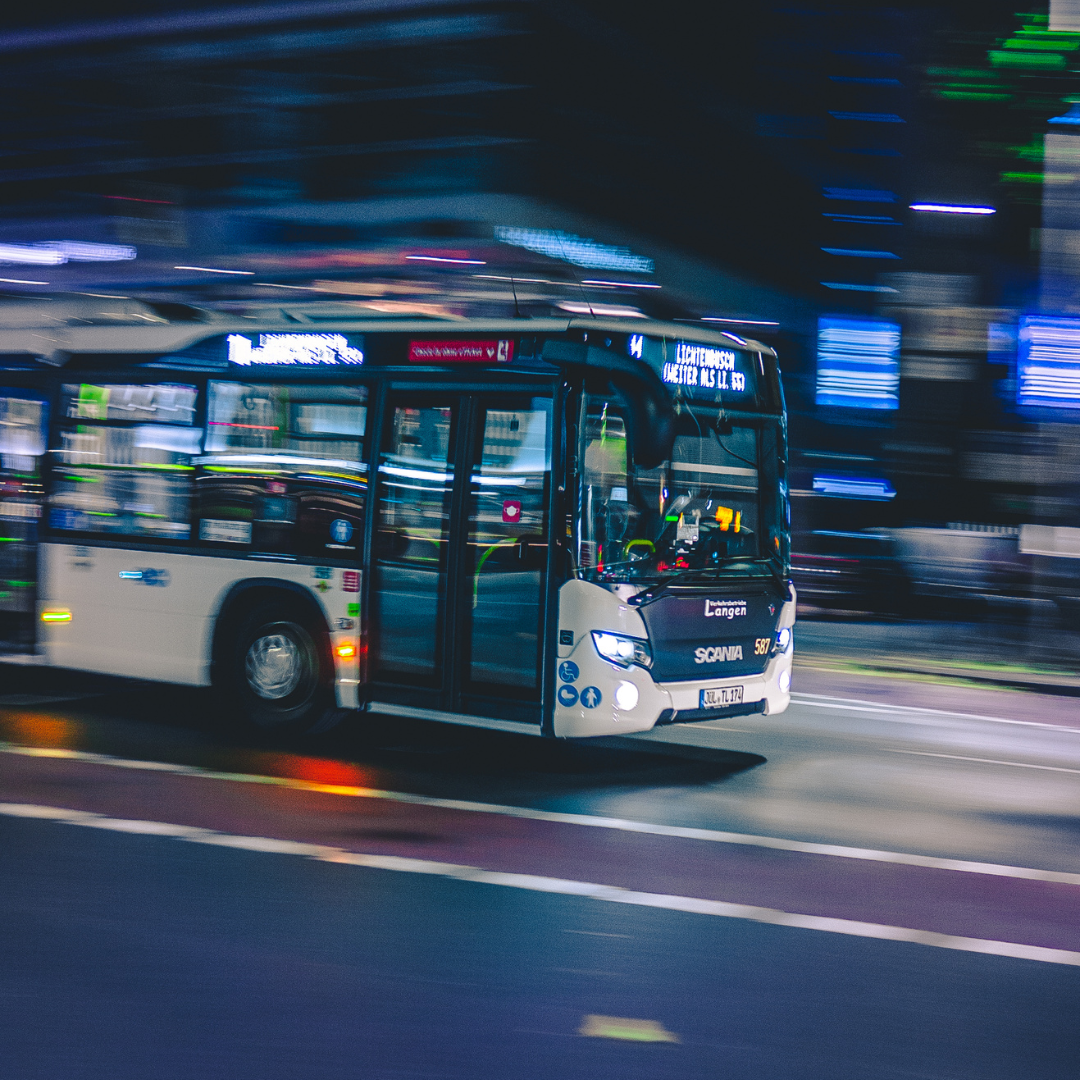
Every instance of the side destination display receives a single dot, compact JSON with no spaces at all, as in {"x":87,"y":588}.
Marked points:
{"x":498,"y":351}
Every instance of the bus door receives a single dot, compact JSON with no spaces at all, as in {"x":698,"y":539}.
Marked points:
{"x":460,"y":552}
{"x":22,"y":449}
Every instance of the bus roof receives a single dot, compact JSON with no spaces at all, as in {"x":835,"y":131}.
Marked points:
{"x":54,"y":328}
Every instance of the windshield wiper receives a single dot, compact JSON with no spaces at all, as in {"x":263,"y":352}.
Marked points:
{"x":782,"y":582}
{"x":658,"y":588}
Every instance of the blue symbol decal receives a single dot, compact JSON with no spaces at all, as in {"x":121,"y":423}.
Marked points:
{"x":567,"y":695}
{"x":590,"y":697}
{"x":340,"y":530}
{"x":568,"y":671}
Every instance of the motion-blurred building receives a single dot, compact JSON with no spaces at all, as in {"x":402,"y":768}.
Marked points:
{"x":783,"y":168}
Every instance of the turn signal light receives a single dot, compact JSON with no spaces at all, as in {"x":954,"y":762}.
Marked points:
{"x":56,"y":616}
{"x":346,"y":650}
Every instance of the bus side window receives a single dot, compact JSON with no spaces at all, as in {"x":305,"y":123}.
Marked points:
{"x":284,"y":470}
{"x":129,"y":471}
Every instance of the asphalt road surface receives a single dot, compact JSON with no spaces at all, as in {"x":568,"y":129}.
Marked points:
{"x":882,"y":882}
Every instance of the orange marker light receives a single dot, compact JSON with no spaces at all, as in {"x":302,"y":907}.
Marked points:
{"x":56,"y":616}
{"x":346,"y":650}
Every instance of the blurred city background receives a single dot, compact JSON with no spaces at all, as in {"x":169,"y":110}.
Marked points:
{"x":878,"y":883}
{"x":888,"y":195}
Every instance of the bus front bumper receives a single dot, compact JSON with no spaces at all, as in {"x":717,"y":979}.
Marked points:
{"x":658,"y":703}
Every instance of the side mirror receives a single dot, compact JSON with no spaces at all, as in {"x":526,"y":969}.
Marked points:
{"x":650,"y":414}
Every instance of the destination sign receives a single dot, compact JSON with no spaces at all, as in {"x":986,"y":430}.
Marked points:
{"x":311,"y":350}
{"x":708,"y":368}
{"x":496,"y":351}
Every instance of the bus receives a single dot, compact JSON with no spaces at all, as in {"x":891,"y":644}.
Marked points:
{"x":568,"y":526}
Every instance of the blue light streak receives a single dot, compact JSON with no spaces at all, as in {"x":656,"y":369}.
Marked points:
{"x":58,"y":252}
{"x":859,"y":194}
{"x":852,"y":487}
{"x":1071,"y":117}
{"x":1048,"y":362}
{"x":578,"y":250}
{"x":863,"y":219}
{"x":868,"y":117}
{"x":446,"y":259}
{"x":858,"y":363}
{"x":858,"y":288}
{"x":949,"y":208}
{"x":858,"y":253}
{"x":740,"y":322}
{"x":216,"y":270}
{"x":864,"y":81}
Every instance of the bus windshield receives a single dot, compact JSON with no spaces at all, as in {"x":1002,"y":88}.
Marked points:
{"x":707,"y":508}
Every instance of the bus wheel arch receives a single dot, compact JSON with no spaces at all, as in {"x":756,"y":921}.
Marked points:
{"x":271,"y":659}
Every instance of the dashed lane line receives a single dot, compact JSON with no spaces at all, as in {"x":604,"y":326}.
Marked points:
{"x":562,"y":886}
{"x":585,"y":820}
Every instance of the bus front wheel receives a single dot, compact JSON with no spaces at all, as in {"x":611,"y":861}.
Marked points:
{"x":278,"y":673}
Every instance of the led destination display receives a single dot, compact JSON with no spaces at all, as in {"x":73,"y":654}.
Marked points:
{"x":311,"y":350}
{"x":704,"y":371}
{"x":707,"y":367}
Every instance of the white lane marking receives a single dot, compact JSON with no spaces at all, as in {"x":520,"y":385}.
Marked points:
{"x":562,"y":886}
{"x":821,"y":701}
{"x":838,"y":851}
{"x":983,"y":760}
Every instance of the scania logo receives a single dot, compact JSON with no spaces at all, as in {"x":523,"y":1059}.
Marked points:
{"x":715,"y":654}
{"x":724,"y":609}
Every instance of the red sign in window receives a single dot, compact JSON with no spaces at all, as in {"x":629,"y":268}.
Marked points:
{"x":350,"y":581}
{"x":498,"y":351}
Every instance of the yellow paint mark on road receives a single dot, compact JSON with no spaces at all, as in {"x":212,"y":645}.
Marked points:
{"x":622,"y":1027}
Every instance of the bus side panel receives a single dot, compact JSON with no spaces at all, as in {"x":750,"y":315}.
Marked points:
{"x":150,"y":614}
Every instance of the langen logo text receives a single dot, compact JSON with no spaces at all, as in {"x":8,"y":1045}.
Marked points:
{"x":724,"y":609}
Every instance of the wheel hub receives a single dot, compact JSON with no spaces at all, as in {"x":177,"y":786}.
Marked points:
{"x":274,"y":666}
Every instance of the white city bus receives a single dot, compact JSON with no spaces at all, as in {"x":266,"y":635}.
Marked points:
{"x":572,"y":526}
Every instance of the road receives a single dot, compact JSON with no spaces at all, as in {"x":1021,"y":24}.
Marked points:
{"x":880,"y":883}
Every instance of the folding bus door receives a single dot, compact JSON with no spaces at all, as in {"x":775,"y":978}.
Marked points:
{"x":22,"y":449}
{"x":460,"y":554}
{"x":411,"y":557}
{"x":505,"y":558}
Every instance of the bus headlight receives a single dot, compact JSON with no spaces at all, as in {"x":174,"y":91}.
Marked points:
{"x":784,"y":682}
{"x":622,"y":650}
{"x":783,"y":639}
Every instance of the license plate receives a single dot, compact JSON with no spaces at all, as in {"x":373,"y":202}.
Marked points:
{"x":718,"y":696}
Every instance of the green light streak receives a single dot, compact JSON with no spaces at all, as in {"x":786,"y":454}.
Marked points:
{"x":1043,"y":40}
{"x":973,"y":95}
{"x":1044,"y":61}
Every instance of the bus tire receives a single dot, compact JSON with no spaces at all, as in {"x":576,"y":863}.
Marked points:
{"x":278,"y":672}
